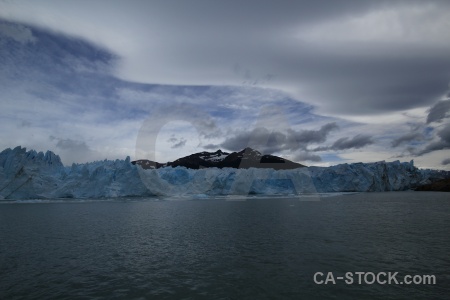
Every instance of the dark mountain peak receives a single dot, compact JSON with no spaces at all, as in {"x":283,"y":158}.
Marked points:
{"x":219,"y":152}
{"x":147,"y":164}
{"x":251,"y":158}
{"x":244,"y":159}
{"x":200,"y":160}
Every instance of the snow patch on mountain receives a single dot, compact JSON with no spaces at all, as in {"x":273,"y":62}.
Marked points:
{"x":215,"y":158}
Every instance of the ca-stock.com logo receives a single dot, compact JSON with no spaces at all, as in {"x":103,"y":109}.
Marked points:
{"x":230,"y":184}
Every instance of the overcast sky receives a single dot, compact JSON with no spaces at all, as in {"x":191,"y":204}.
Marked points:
{"x":318,"y":82}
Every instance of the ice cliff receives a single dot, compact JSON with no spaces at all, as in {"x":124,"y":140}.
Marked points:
{"x":29,"y":174}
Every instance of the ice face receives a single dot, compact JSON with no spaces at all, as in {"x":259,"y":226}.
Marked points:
{"x":29,"y":174}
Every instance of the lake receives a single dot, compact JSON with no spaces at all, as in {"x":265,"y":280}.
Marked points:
{"x":248,"y":248}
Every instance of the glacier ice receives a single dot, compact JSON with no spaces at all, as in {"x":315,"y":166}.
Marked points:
{"x":32,"y":175}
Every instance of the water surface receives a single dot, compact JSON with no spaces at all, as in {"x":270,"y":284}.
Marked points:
{"x":252,"y":248}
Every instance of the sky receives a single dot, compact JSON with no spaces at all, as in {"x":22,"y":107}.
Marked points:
{"x":317,"y":82}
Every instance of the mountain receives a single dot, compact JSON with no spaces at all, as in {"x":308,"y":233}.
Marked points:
{"x":245,"y":159}
{"x":148,"y":164}
{"x":250,"y":158}
{"x":200,"y":160}
{"x":442,"y":185}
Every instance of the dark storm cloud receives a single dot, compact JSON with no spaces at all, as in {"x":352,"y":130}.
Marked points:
{"x":419,"y":133}
{"x":180,"y":144}
{"x":358,"y":60}
{"x":444,"y":134}
{"x":412,"y":136}
{"x":258,"y":138}
{"x":304,"y":137}
{"x":441,"y":144}
{"x":69,"y":144}
{"x":356,"y":142}
{"x":273,"y":141}
{"x":347,"y":57}
{"x":352,"y":76}
{"x":369,"y":85}
{"x":177,"y":143}
{"x":438,"y":111}
{"x":434,"y":146}
{"x":446,"y":162}
{"x":344,"y":143}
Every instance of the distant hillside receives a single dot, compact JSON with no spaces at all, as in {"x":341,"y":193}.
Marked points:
{"x":247,"y":158}
{"x":442,"y":185}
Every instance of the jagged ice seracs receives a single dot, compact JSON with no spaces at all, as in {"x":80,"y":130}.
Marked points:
{"x":35,"y":175}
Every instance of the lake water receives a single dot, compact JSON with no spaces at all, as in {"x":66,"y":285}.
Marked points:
{"x":256,"y":248}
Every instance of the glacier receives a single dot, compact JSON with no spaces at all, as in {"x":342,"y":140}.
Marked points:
{"x":37,"y":175}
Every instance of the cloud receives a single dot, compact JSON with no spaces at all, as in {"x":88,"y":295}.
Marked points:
{"x":62,"y":87}
{"x":274,"y":141}
{"x":347,"y":57}
{"x":24,"y":124}
{"x":307,"y":156}
{"x":442,"y":142}
{"x":356,"y":142}
{"x":395,"y":23}
{"x":190,"y":112}
{"x":439,"y":111}
{"x":434,"y":146}
{"x":444,"y":134}
{"x":211,"y":147}
{"x":344,"y":143}
{"x":177,"y":143}
{"x":427,"y":136}
{"x":257,"y":138}
{"x":17,"y":32}
{"x":412,"y":136}
{"x":74,"y":151}
{"x":68,"y":144}
{"x":180,"y":144}
{"x":305,"y":137}
{"x":84,"y":77}
{"x":446,"y":162}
